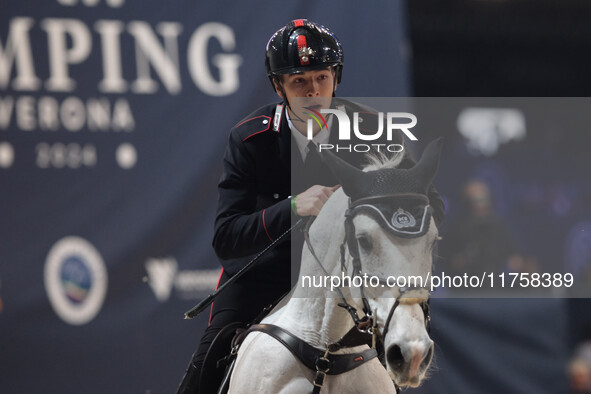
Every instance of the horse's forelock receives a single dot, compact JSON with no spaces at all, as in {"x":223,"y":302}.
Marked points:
{"x":380,"y":160}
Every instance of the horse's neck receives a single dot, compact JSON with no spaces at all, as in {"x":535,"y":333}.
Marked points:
{"x":313,"y":313}
{"x":318,"y":321}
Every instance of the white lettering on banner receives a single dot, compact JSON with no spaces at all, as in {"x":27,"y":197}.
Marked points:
{"x":60,"y":56}
{"x":18,"y":48}
{"x":47,"y":108}
{"x":6,"y":106}
{"x":148,"y":51}
{"x":70,"y":155}
{"x":163,"y":275}
{"x":112,"y":81}
{"x":25,"y":113}
{"x":122,"y":116}
{"x":227,"y":64}
{"x":73,"y":114}
{"x":190,"y":283}
{"x":70,"y":43}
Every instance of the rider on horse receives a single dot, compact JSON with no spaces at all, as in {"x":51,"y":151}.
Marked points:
{"x":259,"y":196}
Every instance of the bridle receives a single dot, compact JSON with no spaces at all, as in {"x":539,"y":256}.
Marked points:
{"x":365,"y":330}
{"x":350,"y":243}
{"x":368,"y":204}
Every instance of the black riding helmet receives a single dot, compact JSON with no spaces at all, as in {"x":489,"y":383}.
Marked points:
{"x":301,"y":46}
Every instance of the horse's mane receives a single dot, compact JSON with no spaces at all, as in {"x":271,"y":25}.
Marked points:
{"x":381,"y":160}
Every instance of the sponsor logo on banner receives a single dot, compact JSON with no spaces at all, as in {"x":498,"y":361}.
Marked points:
{"x":164,"y":276}
{"x":75,"y":280}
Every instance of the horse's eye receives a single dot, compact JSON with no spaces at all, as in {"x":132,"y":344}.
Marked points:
{"x":364,"y":242}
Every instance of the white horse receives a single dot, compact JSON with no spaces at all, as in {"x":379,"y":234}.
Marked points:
{"x":398,"y":247}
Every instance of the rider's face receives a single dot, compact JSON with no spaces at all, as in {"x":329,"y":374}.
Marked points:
{"x":314,"y":83}
{"x":317,"y":86}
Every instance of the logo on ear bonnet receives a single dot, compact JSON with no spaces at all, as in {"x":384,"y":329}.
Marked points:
{"x":402,"y":219}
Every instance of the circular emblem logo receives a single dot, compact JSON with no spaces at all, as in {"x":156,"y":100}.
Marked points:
{"x":75,"y":280}
{"x":402,"y":219}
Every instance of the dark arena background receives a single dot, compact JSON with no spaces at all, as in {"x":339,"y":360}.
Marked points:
{"x":114,"y":115}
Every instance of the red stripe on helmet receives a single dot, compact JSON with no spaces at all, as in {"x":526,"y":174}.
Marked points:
{"x":302,"y":44}
{"x":298,"y":22}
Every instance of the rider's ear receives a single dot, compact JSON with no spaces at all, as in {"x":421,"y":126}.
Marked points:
{"x":278,"y":87}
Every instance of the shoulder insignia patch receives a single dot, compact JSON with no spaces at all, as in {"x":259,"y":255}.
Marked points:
{"x":253,"y":126}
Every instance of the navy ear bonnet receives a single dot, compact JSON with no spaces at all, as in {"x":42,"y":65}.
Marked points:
{"x":395,"y":198}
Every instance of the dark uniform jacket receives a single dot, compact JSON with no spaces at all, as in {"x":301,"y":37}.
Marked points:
{"x":254,"y":190}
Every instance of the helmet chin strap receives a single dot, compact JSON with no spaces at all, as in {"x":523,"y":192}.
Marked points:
{"x":279,"y":89}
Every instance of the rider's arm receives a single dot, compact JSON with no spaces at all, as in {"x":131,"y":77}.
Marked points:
{"x":242,"y":226}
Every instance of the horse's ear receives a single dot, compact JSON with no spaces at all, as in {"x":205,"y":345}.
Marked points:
{"x":426,"y":169}
{"x":353,"y":180}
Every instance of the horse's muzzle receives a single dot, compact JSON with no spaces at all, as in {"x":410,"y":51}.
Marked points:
{"x":408,"y":362}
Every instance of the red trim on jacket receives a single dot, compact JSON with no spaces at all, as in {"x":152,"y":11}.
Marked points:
{"x":248,"y":120}
{"x":265,"y":226}
{"x":216,"y":287}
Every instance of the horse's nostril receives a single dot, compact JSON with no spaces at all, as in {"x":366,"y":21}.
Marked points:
{"x":395,"y":357}
{"x":428,"y":357}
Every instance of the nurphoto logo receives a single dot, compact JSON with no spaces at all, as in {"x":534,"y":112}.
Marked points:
{"x":402,"y":121}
